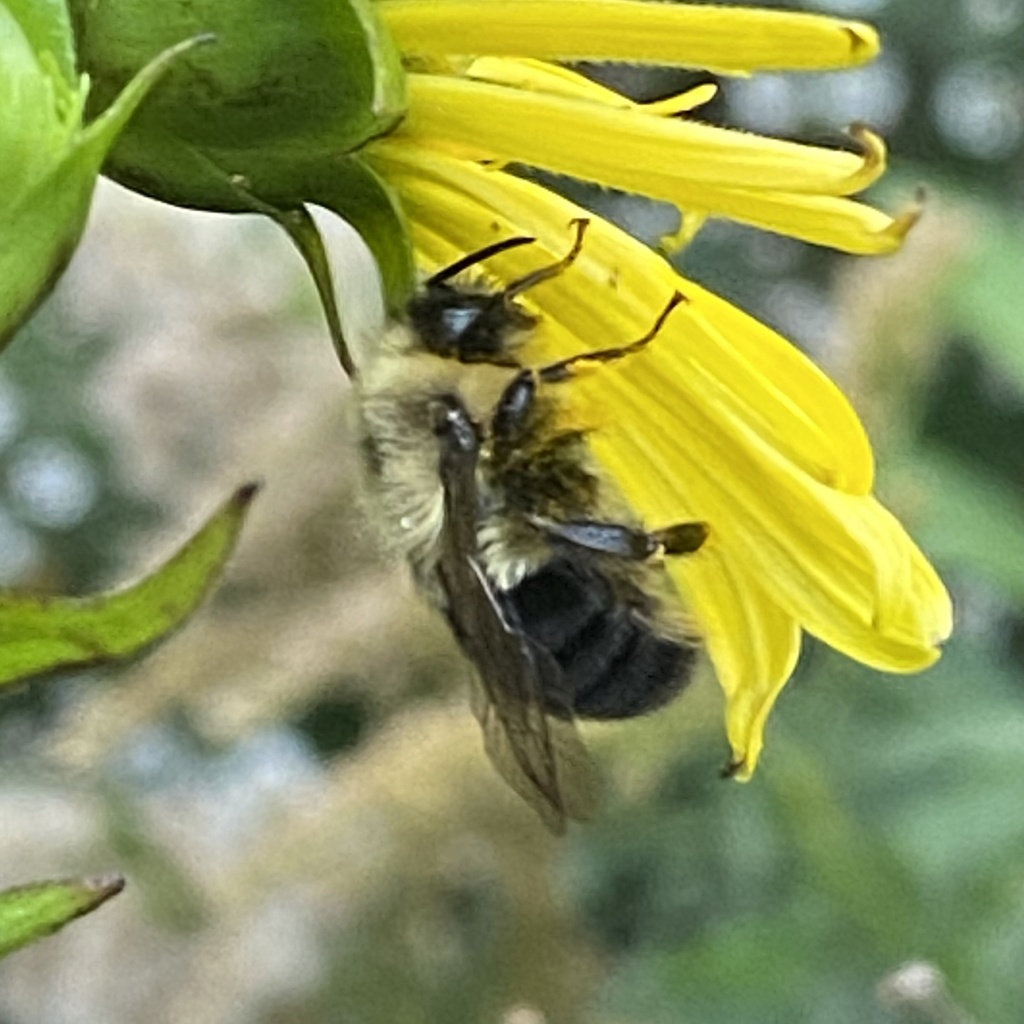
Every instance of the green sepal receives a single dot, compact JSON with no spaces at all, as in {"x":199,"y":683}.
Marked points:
{"x":359,"y":196}
{"x":40,"y":634}
{"x":53,"y":163}
{"x":302,"y":230}
{"x":354,"y":191}
{"x":32,"y":912}
{"x":47,"y":27}
{"x":287,"y":87}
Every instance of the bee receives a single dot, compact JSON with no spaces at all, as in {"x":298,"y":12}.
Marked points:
{"x":556,"y":594}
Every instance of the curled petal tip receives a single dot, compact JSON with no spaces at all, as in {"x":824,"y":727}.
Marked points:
{"x":864,"y":42}
{"x":675,"y":242}
{"x":890,"y":238}
{"x":903,"y":222}
{"x":736,"y":768}
{"x":944,"y":628}
{"x":873,"y":154}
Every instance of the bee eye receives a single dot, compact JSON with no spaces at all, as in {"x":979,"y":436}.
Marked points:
{"x":457,"y":320}
{"x":472,"y":327}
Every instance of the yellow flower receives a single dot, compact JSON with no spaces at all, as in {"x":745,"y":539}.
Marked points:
{"x":396,"y":111}
{"x":509,"y":106}
{"x":720,"y":419}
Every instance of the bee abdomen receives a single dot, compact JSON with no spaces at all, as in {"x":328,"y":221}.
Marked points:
{"x":614,"y":663}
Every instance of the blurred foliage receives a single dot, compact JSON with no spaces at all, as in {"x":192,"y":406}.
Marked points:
{"x":65,"y":507}
{"x":294,"y":782}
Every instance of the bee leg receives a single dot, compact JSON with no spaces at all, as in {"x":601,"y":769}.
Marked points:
{"x":511,"y":418}
{"x":626,"y":541}
{"x":682,"y":538}
{"x":512,"y":414}
{"x":459,"y":440}
{"x":555,"y":373}
{"x":452,"y":423}
{"x":536,"y":277}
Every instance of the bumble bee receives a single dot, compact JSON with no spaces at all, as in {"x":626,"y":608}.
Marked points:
{"x":557,"y":596}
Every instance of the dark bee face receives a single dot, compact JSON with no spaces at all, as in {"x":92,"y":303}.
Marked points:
{"x":473,"y":327}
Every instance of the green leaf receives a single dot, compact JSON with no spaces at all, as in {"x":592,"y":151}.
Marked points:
{"x":39,"y":634}
{"x":47,"y":27}
{"x":42,"y":110}
{"x":352,"y":189}
{"x":31,"y":912}
{"x":268,"y":119}
{"x":305,"y":235}
{"x":51,"y":164}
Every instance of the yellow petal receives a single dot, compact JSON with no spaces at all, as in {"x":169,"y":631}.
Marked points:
{"x":730,"y":360}
{"x":481,"y":121}
{"x":754,"y":644}
{"x":841,"y":224}
{"x":558,"y":81}
{"x":727,"y":39}
{"x":840,"y":565}
{"x":533,"y":113}
{"x":719,"y":419}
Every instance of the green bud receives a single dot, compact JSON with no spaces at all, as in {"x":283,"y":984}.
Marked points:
{"x":49,"y":157}
{"x":268,"y":117}
{"x":283,"y":87}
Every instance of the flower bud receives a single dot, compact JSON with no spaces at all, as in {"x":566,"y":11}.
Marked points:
{"x":49,"y":158}
{"x":266,"y":118}
{"x":283,"y":87}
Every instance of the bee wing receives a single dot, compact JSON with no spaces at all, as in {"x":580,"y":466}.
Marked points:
{"x":541,"y":757}
{"x":554,"y":775}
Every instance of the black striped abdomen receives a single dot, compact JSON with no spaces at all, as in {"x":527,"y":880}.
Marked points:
{"x":614,"y":662}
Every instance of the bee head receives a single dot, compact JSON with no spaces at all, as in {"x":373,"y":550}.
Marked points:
{"x":471,"y":326}
{"x":475,"y":325}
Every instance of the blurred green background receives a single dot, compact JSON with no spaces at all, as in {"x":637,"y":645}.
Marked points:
{"x":294,"y":784}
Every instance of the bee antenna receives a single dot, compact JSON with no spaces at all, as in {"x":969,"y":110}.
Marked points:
{"x":479,"y":256}
{"x":534,"y":278}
